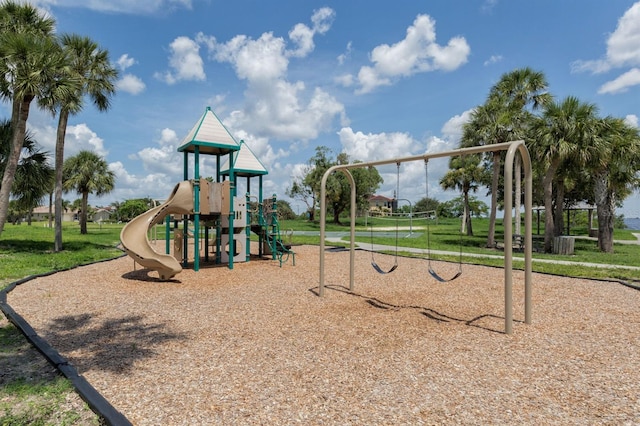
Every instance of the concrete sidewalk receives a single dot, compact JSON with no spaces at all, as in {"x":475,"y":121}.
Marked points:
{"x":516,"y":258}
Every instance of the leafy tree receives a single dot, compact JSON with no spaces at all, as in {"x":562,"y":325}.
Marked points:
{"x":426,"y":205}
{"x":299,"y":190}
{"x":30,"y":61}
{"x":338,"y":192}
{"x":129,"y":209}
{"x":284,"y":210}
{"x":87,"y":173}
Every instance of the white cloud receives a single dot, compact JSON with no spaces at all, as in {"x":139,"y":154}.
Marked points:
{"x":418,"y":52}
{"x":376,"y":146}
{"x":344,"y":56}
{"x":185,"y":62}
{"x":138,"y":7}
{"x":81,"y":137}
{"x":124,"y":62}
{"x":494,"y":59}
{"x":452,"y":129}
{"x":276,"y":107}
{"x":164,"y":157}
{"x":622,"y":83}
{"x":631,"y":120}
{"x":623,"y":50}
{"x":345,"y":80}
{"x":255,"y":60}
{"x":130,"y":83}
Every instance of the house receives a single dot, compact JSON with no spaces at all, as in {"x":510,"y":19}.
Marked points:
{"x":42,"y":213}
{"x":382,"y":203}
{"x":102,"y":214}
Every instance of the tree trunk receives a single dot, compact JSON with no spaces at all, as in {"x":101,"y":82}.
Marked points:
{"x":59,"y":162}
{"x":50,"y":209}
{"x":467,"y":215}
{"x":518,"y":194}
{"x":547,"y":184}
{"x":558,"y":211}
{"x":605,"y":208}
{"x":83,"y":213}
{"x":491,"y":239}
{"x":20,"y":109}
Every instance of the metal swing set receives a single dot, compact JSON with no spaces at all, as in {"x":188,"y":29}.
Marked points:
{"x":431,"y":271}
{"x":511,"y":148}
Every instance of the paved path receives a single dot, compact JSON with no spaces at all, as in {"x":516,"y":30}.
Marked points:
{"x":516,"y":258}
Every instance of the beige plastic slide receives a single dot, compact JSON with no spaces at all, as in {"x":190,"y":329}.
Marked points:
{"x":134,"y":235}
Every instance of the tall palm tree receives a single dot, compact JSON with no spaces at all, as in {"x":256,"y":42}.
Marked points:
{"x":525,"y":90}
{"x":33,"y":174}
{"x":490,"y":123}
{"x":615,"y":173}
{"x":30,"y":61}
{"x":464,"y":174}
{"x":505,"y":116}
{"x":88,"y":73}
{"x":87,"y":173}
{"x":566,"y":130}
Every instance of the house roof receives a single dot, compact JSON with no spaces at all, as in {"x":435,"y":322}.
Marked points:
{"x":210,"y":136}
{"x":379,"y":198}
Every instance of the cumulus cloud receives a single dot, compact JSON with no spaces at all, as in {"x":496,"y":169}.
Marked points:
{"x":631,"y":120}
{"x":418,"y":52}
{"x":302,"y":35}
{"x":130,"y":83}
{"x":623,"y":50}
{"x":276,"y":107}
{"x":138,"y":7}
{"x":163,"y":157}
{"x":185,"y":62}
{"x":376,"y":146}
{"x":622,"y":83}
{"x":81,"y":137}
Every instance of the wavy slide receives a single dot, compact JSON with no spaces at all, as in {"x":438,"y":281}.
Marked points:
{"x":134,"y":234}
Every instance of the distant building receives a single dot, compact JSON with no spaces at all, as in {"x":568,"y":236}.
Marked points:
{"x":382,"y":204}
{"x":42,"y":213}
{"x":102,"y":214}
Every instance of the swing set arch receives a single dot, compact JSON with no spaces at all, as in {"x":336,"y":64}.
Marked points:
{"x":512,"y":148}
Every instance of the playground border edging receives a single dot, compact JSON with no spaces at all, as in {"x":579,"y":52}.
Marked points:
{"x":98,"y":403}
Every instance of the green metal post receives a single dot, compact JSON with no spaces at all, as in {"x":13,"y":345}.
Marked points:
{"x":196,"y":211}
{"x":248,"y":230}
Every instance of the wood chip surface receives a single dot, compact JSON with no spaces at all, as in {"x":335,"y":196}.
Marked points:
{"x":256,"y":345}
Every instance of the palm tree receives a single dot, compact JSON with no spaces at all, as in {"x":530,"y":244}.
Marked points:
{"x":87,"y":173}
{"x":464,"y":175}
{"x":90,"y":73}
{"x":502,"y":118}
{"x":524,"y":90}
{"x":490,"y":123}
{"x":566,"y":130}
{"x":615,"y":173}
{"x":33,"y":174}
{"x":30,"y":60}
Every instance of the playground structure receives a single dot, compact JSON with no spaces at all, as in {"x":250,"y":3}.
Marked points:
{"x":512,"y":148}
{"x":209,"y":205}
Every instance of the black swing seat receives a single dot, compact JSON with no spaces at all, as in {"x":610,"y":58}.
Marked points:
{"x":437,"y":277}
{"x":381,"y":271}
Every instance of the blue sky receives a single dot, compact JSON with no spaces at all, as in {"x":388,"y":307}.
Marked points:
{"x":371,"y":78}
